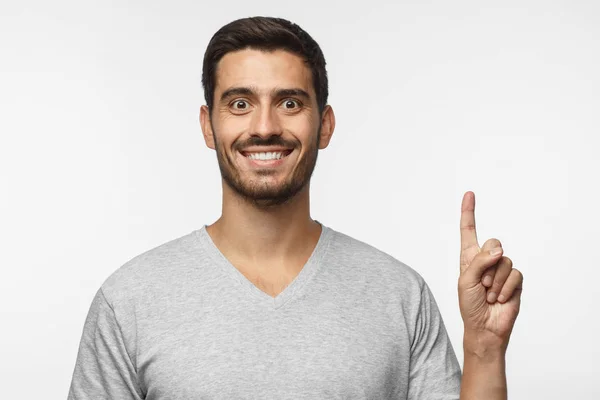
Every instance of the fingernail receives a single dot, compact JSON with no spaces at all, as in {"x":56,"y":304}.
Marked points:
{"x":487,"y":280}
{"x":501,"y":298}
{"x":496,"y":251}
{"x":491,"y":297}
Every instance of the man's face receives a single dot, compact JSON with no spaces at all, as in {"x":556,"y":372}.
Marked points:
{"x":265,"y":103}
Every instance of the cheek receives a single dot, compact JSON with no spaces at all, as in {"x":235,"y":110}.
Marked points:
{"x":232,"y":124}
{"x":303,"y":128}
{"x":229,"y":130}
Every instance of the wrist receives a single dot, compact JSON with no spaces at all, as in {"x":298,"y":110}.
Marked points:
{"x":484,"y":347}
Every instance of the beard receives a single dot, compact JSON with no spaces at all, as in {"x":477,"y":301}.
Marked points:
{"x":251,"y":188}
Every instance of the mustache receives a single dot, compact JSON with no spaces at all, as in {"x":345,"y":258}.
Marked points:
{"x":270,"y":141}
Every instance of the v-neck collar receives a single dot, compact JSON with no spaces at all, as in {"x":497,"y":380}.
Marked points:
{"x":307,"y":271}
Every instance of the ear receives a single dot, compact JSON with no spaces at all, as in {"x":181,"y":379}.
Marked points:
{"x":207,"y":131}
{"x":327,"y":126}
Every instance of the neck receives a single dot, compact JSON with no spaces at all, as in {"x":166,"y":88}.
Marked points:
{"x":262,"y":237}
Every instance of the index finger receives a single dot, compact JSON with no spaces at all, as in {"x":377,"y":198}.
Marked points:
{"x":468,"y":233}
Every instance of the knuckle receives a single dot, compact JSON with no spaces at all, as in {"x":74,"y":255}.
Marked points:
{"x":507,"y":261}
{"x":518,"y":273}
{"x":491,"y":271}
{"x":468,"y":227}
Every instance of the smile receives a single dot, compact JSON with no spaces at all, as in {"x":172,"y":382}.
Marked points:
{"x":266,"y":158}
{"x":274,"y":155}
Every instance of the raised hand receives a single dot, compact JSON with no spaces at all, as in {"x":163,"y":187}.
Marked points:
{"x":489,"y":288}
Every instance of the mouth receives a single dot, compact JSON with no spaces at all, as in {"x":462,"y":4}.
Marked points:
{"x":271,"y":158}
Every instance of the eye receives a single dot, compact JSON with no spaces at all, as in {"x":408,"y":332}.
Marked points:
{"x":240,"y":105}
{"x":291,"y":104}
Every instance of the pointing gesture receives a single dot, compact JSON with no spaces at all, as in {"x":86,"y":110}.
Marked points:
{"x":489,"y":288}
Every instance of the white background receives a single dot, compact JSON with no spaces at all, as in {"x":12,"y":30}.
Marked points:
{"x":102,"y":158}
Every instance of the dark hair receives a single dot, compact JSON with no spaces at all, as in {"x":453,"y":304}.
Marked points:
{"x":267,"y":34}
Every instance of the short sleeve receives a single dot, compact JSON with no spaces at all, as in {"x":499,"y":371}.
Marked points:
{"x":434,"y":370}
{"x":103,"y":369}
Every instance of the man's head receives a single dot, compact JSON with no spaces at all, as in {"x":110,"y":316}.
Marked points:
{"x":265,"y":86}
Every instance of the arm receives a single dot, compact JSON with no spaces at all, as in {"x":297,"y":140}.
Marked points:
{"x":489,"y":292}
{"x":434,"y":371}
{"x":484,"y":373}
{"x":104,"y":369}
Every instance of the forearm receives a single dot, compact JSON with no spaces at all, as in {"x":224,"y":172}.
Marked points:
{"x":484,"y":373}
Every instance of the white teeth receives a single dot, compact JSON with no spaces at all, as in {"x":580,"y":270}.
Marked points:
{"x":265,"y":156}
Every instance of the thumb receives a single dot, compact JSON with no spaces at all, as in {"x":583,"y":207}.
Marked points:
{"x":480,"y":264}
{"x":490,"y":244}
{"x":490,"y":273}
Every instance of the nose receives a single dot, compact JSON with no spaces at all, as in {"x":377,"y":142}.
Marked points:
{"x":266,"y":122}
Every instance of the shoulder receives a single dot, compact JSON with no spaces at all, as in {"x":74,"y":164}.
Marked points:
{"x":380,"y":287}
{"x":152,"y":269}
{"x":379,"y":267}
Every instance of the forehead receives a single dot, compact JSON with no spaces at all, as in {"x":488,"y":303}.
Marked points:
{"x":263,"y":70}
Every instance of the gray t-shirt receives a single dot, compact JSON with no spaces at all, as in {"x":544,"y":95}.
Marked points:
{"x":181,"y":322}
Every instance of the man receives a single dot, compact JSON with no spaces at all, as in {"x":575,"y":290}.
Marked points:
{"x":267,"y":303}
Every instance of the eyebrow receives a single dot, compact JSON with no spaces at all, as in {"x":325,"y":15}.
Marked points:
{"x":248,"y":91}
